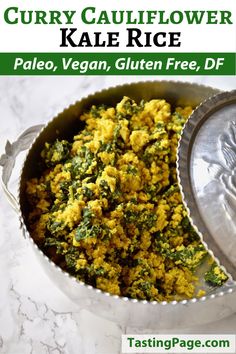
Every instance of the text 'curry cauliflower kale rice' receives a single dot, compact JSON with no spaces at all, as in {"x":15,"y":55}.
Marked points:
{"x":107,"y":207}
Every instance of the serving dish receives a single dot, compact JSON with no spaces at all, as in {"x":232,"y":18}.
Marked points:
{"x":207,"y":148}
{"x":125,"y":311}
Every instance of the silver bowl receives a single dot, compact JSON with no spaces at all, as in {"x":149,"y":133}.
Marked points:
{"x":218,"y":302}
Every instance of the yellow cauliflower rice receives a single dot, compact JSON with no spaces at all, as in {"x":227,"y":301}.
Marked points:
{"x":107,"y":207}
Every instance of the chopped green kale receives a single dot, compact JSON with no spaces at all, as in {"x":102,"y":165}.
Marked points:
{"x":131,"y":170}
{"x":87,"y":229}
{"x":96,"y":111}
{"x":142,"y":219}
{"x":215,"y":276}
{"x":56,"y":153}
{"x":81,"y":163}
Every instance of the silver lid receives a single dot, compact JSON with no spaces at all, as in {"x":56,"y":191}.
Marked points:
{"x":207,"y":175}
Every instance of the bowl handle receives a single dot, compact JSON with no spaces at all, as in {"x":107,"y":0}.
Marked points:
{"x":7,"y":160}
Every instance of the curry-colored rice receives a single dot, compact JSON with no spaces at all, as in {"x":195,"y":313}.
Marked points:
{"x":108,"y":203}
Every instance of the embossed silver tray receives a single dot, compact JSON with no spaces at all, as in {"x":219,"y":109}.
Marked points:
{"x":123,"y":310}
{"x":207,"y":174}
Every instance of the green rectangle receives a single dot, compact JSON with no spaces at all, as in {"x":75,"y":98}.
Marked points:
{"x":117,"y":63}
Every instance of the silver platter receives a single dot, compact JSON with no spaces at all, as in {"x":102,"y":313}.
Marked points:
{"x":207,"y":174}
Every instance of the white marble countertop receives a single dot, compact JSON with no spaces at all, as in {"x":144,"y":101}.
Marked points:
{"x":35,"y":317}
